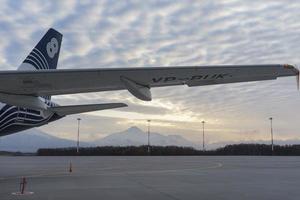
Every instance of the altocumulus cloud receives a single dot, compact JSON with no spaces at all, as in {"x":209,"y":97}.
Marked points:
{"x":168,"y":33}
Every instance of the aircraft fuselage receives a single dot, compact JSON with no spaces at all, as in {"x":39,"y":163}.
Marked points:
{"x":14,"y":119}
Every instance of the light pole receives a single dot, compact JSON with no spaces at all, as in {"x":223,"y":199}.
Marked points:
{"x":203,"y":142}
{"x":148,"y":136}
{"x":272,"y":145}
{"x":78,"y":119}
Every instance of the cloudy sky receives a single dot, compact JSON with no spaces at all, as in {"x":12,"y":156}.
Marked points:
{"x":168,"y":33}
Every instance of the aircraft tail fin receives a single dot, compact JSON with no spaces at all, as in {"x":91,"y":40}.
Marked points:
{"x":45,"y":54}
{"x":70,"y":110}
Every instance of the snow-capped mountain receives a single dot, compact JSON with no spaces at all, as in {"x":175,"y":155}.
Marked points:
{"x":136,"y":137}
{"x":33,"y":139}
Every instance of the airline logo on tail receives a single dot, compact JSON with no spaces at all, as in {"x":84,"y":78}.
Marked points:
{"x":45,"y":54}
{"x":52,"y":47}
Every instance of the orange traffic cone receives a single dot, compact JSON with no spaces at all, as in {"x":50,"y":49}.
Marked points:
{"x":70,"y":168}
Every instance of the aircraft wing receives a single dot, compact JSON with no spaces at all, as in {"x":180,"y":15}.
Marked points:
{"x":138,"y":81}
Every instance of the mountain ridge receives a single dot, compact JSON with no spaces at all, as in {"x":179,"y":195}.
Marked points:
{"x":136,"y":137}
{"x":33,"y":139}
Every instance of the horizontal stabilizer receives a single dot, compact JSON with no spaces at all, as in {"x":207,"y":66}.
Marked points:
{"x":69,"y":110}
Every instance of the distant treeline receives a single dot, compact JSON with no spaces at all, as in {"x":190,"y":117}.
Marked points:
{"x":237,"y":149}
{"x":17,"y":153}
{"x":6,"y":153}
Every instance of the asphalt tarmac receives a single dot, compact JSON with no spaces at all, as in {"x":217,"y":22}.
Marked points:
{"x":186,"y":177}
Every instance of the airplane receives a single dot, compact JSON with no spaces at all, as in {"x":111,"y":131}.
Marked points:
{"x":26,"y":93}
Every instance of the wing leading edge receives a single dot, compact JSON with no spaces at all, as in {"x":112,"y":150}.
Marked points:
{"x":138,"y":81}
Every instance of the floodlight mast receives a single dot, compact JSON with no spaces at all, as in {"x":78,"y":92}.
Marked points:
{"x":272,"y":141}
{"x":78,"y":119}
{"x":149,"y":151}
{"x":203,"y":141}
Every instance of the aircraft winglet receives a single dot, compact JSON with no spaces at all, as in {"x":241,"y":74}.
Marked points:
{"x":295,"y":68}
